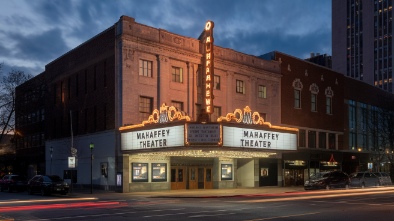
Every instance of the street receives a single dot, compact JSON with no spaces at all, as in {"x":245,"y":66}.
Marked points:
{"x":353,"y":204}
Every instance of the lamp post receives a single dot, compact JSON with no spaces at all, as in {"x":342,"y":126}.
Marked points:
{"x":91,"y":146}
{"x":51,"y":151}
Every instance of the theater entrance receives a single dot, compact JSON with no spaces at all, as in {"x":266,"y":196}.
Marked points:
{"x":191,"y":177}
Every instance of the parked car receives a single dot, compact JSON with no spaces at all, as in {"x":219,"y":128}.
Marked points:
{"x":369,"y":179}
{"x":13,"y":182}
{"x":328,"y":180}
{"x":47,"y":184}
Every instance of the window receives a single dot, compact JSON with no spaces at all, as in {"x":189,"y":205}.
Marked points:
{"x":86,"y":81}
{"x":217,"y":112}
{"x":312,"y":139}
{"x":178,"y":105}
{"x":105,"y":74}
{"x":145,"y":68}
{"x":313,"y":102}
{"x":332,"y":141}
{"x":177,"y":75}
{"x":302,"y":138}
{"x":240,"y":87}
{"x":95,"y":78}
{"x":297,"y":98}
{"x":216,"y":82}
{"x":145,"y":107}
{"x":76,"y":85}
{"x":322,"y":140}
{"x":328,"y":105}
{"x":262,"y":91}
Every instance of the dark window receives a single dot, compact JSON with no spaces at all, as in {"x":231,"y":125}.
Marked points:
{"x":297,"y":98}
{"x":145,"y":107}
{"x":216,"y":82}
{"x":313,"y":102}
{"x":177,"y":75}
{"x":95,"y":78}
{"x":312,"y":139}
{"x":178,"y":105}
{"x":328,"y":105}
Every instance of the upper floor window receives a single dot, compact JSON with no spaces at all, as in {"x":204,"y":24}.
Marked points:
{"x":262,"y":91}
{"x":297,"y":98}
{"x":177,"y":74}
{"x":314,"y":89}
{"x":217,"y":112}
{"x":313,"y":102}
{"x":329,"y":94}
{"x":328,"y":105}
{"x":145,"y":107}
{"x":240,"y":87}
{"x":178,"y":105}
{"x":216,"y":82}
{"x":145,"y":68}
{"x":297,"y":85}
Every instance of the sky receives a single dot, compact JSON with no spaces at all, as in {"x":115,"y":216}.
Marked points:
{"x":35,"y":32}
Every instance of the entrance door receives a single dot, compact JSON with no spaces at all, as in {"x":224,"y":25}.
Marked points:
{"x":193,"y":178}
{"x":178,"y":178}
{"x":204,"y":178}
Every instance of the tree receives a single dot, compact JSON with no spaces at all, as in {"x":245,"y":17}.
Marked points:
{"x":8,"y":83}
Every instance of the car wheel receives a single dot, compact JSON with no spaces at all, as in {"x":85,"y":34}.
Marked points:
{"x":43,"y":193}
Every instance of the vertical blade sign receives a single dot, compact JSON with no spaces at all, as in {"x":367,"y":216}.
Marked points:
{"x":209,"y":67}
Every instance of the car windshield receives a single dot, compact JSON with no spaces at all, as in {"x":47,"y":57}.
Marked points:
{"x":319,"y":175}
{"x":55,"y":178}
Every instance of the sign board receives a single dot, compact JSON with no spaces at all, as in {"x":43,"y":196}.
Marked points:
{"x":203,"y":133}
{"x":71,"y":162}
{"x":261,"y":139}
{"x":209,"y":66}
{"x":155,"y":138}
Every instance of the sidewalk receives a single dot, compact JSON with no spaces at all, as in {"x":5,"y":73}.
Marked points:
{"x":187,"y":193}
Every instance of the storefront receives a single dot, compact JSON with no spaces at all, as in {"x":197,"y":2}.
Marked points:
{"x":168,"y":151}
{"x":299,"y":166}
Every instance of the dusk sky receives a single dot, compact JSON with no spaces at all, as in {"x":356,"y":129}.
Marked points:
{"x":35,"y":32}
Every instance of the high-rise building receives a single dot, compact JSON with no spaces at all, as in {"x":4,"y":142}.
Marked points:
{"x":362,"y":46}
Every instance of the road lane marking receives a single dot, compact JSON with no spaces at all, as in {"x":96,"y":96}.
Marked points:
{"x":47,"y":200}
{"x":312,"y":197}
{"x":281,"y":217}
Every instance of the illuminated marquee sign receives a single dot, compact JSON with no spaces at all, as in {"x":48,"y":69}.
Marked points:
{"x":155,"y":138}
{"x":209,"y":66}
{"x":203,"y":133}
{"x":261,"y":139}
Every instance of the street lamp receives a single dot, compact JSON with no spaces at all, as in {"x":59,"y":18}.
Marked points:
{"x":51,"y":151}
{"x":91,"y":146}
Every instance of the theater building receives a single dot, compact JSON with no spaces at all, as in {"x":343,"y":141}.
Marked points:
{"x":137,"y":108}
{"x":135,"y":104}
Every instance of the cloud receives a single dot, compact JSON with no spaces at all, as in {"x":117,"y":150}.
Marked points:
{"x":33,"y":33}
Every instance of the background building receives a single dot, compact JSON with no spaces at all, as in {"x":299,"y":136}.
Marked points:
{"x":362,"y":45}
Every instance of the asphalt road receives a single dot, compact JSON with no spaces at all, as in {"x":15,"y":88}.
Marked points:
{"x":365,"y":204}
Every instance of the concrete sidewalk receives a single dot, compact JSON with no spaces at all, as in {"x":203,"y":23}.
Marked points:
{"x":198,"y":193}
